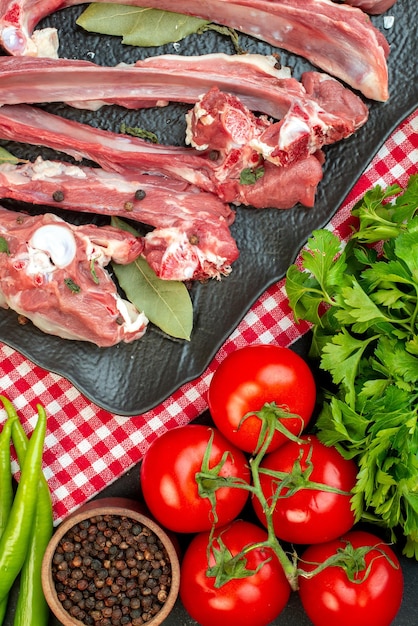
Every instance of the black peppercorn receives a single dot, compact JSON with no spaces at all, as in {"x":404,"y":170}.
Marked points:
{"x":58,"y":196}
{"x":140,"y":194}
{"x":110,"y":570}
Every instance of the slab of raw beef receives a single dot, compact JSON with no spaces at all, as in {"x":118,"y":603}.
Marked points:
{"x":191,"y":240}
{"x":53,"y":274}
{"x":280,"y":187}
{"x":338,"y":38}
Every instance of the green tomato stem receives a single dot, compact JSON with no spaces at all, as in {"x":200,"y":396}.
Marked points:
{"x":272,"y":542}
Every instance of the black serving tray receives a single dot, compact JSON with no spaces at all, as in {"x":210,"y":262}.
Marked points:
{"x":131,"y":379}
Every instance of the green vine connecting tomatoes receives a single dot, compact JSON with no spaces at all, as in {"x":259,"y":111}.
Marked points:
{"x":300,"y":490}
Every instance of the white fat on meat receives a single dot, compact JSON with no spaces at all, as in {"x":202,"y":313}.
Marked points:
{"x":46,"y":42}
{"x":133,"y":322}
{"x":44,"y":169}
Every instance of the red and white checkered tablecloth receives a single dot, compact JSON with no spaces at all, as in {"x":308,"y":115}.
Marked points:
{"x":86,"y":447}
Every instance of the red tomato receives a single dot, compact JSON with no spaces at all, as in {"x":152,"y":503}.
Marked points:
{"x":249,"y":378}
{"x":169,"y":484}
{"x":309,"y":515}
{"x":331,"y":598}
{"x":252,"y":601}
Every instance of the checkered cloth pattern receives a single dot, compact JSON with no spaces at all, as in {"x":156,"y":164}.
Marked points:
{"x":88,"y":448}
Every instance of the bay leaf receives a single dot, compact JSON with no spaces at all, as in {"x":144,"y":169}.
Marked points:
{"x":7,"y":157}
{"x":166,"y":303}
{"x":138,"y":26}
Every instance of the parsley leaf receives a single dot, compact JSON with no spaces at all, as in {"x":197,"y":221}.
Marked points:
{"x":4,"y":246}
{"x":249,"y":175}
{"x":362,"y":299}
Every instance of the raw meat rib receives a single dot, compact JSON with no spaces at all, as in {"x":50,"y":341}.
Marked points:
{"x":336,"y":38}
{"x":203,"y":246}
{"x":113,"y":151}
{"x":281,"y":187}
{"x":155,"y":81}
{"x":325,"y":110}
{"x":374,"y":7}
{"x":254,"y":78}
{"x":54,"y":274}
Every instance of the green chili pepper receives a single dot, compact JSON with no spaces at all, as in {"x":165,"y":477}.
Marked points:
{"x":6,"y":487}
{"x":31,"y":607}
{"x":15,"y":539}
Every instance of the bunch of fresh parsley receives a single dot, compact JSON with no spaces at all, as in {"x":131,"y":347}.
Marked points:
{"x":362,"y":299}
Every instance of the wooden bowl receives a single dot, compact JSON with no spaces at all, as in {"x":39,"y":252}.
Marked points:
{"x":119,"y":508}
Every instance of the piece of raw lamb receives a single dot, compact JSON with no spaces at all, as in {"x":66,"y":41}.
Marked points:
{"x":53,"y":273}
{"x":191,"y":240}
{"x":337,"y":38}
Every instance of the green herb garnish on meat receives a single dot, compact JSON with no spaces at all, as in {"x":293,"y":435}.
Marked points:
{"x":4,"y":246}
{"x":362,"y":299}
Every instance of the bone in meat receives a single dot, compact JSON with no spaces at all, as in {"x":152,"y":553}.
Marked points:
{"x":254,"y":78}
{"x":337,"y":38}
{"x":281,"y":187}
{"x":53,"y":273}
{"x":222,"y":122}
{"x":325,"y":110}
{"x":191,"y":239}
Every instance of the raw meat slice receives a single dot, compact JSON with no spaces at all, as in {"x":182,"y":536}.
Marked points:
{"x":53,"y":273}
{"x":324,"y":112}
{"x":374,"y":7}
{"x":255,"y":79}
{"x":337,"y":38}
{"x":115,"y":152}
{"x":203,"y":247}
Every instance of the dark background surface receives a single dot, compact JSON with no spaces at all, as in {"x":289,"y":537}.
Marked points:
{"x":131,"y":379}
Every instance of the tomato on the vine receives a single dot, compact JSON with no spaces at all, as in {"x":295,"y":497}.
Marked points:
{"x":254,"y":600}
{"x":304,"y":511}
{"x":373,"y":595}
{"x":258,"y":375}
{"x":169,"y":485}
